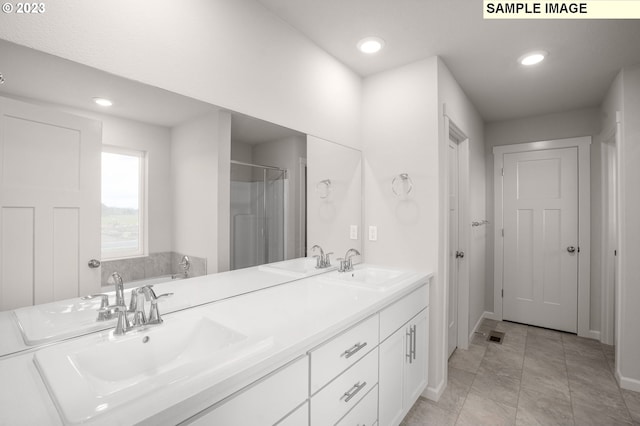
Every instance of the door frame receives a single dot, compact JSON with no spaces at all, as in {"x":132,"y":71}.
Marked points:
{"x":609,"y":230}
{"x":454,"y":133}
{"x":584,"y":222}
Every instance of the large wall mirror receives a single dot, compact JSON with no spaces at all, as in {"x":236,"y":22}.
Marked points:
{"x":155,"y":177}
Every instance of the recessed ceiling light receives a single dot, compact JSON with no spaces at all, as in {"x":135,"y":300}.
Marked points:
{"x":532,"y":58}
{"x":370,"y":45}
{"x":103,"y":102}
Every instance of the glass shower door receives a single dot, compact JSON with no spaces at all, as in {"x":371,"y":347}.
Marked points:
{"x":258,"y":199}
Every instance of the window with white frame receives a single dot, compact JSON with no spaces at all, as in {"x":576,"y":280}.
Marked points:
{"x":123,"y":189}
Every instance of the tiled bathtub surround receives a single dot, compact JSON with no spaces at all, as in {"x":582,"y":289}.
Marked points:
{"x":536,"y":377}
{"x":153,"y":265}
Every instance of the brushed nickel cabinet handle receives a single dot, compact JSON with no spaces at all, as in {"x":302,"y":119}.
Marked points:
{"x":413,"y":337}
{"x":353,"y":391}
{"x":353,"y":350}
{"x":410,"y":342}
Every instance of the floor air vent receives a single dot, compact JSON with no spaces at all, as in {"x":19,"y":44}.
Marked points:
{"x":495,"y":336}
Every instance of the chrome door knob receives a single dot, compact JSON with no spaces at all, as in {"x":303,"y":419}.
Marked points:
{"x":94,"y":263}
{"x":571,"y":249}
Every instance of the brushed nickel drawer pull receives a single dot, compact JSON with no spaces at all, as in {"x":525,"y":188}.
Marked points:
{"x":413,"y":336}
{"x":352,"y":350}
{"x":409,"y":351}
{"x":353,"y":391}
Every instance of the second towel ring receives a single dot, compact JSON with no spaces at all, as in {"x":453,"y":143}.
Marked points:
{"x":401,"y":185}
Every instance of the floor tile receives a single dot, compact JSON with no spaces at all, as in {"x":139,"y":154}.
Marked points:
{"x":536,"y":377}
{"x":632,"y":400}
{"x":458,"y":385}
{"x":425,"y":413}
{"x":468,"y":360}
{"x":479,"y":410}
{"x":593,"y":408}
{"x":543,"y":406}
{"x":545,"y":373}
{"x":497,"y":386}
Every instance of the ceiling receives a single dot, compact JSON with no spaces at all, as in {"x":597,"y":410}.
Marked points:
{"x":584,"y":55}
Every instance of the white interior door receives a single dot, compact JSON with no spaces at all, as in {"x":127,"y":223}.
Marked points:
{"x":453,"y":246}
{"x":49,"y":204}
{"x":540,"y":214}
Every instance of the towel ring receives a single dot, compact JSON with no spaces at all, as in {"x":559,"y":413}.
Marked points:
{"x":401,"y":185}
{"x":323,"y":188}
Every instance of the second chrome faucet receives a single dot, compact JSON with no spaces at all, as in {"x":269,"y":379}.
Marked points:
{"x":136,"y":306}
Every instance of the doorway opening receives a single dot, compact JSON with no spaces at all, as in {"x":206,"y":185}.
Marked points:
{"x":542,"y":234}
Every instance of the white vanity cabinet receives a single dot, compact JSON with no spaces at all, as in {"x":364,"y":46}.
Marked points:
{"x":404,"y":328}
{"x":344,"y":371}
{"x":265,"y":402}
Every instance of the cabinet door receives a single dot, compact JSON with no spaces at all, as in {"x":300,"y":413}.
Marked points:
{"x":390,"y":380}
{"x":415,"y":376}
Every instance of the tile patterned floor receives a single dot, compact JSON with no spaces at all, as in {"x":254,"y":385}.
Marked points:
{"x":536,"y":377}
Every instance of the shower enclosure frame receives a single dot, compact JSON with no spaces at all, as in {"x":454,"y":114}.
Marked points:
{"x":285,"y":199}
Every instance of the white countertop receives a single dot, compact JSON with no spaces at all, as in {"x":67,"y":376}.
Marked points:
{"x":292,"y":318}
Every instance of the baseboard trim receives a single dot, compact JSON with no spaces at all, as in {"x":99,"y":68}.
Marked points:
{"x":628,"y":383}
{"x":475,"y":327}
{"x":593,"y":334}
{"x":434,"y":393}
{"x":491,"y":316}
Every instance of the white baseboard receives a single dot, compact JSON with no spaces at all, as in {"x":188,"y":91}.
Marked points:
{"x":593,"y":334}
{"x":434,"y":393}
{"x":475,"y":327}
{"x":491,"y":316}
{"x":627,"y":383}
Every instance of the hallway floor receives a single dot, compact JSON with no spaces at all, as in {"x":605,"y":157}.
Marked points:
{"x":536,"y":377}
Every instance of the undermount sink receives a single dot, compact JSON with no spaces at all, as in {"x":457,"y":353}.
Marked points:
{"x":300,"y":268}
{"x":367,"y":277}
{"x":58,"y":320}
{"x":98,"y":373}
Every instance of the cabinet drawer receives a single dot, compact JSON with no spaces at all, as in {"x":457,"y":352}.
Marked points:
{"x":300,"y":417}
{"x":264,"y":402}
{"x":341,"y":395}
{"x":393,"y":317}
{"x":339,"y":353}
{"x":363,"y":414}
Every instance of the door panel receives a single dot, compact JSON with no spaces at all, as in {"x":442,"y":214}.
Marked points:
{"x":540,"y":223}
{"x":50,"y":202}
{"x":453,"y":247}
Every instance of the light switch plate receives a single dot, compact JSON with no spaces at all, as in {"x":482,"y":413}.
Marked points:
{"x":373,"y":233}
{"x":353,"y":232}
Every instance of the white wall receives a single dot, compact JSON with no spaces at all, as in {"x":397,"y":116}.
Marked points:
{"x":400,"y":135}
{"x":234,"y":54}
{"x":464,"y":114}
{"x":628,"y":350}
{"x":584,"y":122}
{"x":196,"y":150}
{"x":329,"y":219}
{"x":286,"y":154}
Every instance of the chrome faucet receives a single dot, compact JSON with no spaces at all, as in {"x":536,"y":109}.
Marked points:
{"x":116,"y":280}
{"x":346,"y":264}
{"x":323,"y":260}
{"x":154,"y":313}
{"x":185,"y":263}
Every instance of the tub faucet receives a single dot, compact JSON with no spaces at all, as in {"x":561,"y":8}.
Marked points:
{"x":186,"y":265}
{"x":346,"y":264}
{"x":323,"y":260}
